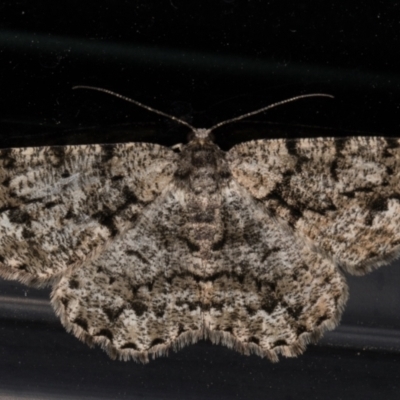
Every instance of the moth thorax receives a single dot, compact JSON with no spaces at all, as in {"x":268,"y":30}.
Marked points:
{"x":203,"y":180}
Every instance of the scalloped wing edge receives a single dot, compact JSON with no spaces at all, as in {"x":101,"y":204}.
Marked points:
{"x":216,"y":337}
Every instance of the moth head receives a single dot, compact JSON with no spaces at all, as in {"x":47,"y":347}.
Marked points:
{"x":203,"y":134}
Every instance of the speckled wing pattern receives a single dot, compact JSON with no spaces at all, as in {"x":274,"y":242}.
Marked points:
{"x":342,"y":194}
{"x":61,"y":206}
{"x":148,"y":249}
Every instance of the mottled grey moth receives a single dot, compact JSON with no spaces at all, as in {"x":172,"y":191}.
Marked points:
{"x":148,"y":249}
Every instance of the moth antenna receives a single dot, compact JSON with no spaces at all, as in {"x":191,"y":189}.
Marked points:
{"x":192,"y":128}
{"x":148,"y":108}
{"x":279,"y":103}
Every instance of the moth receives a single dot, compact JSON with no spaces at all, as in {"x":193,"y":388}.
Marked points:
{"x":148,"y":249}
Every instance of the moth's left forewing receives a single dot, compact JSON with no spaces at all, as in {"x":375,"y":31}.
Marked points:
{"x":342,"y":194}
{"x":146,"y":168}
{"x":60,"y":206}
